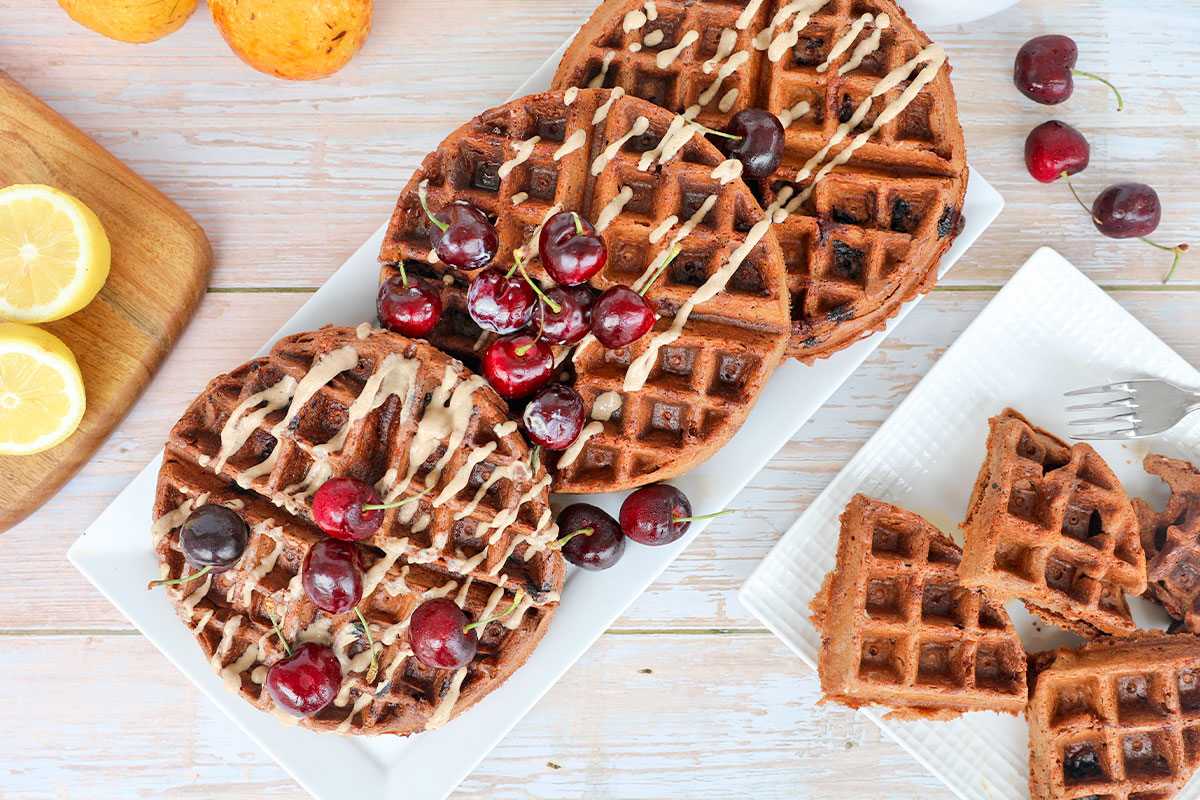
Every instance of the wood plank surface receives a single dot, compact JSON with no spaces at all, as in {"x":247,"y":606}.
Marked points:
{"x":288,"y":179}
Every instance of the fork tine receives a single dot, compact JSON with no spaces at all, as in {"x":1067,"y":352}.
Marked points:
{"x":1123,"y":386}
{"x":1123,"y":433}
{"x":1129,"y":417}
{"x":1121,"y":402}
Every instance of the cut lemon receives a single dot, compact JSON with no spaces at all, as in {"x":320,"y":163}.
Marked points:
{"x":41,"y":390}
{"x":54,"y":254}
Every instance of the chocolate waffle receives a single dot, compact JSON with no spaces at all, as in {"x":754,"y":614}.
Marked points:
{"x":396,"y":413}
{"x":872,"y":186}
{"x":1116,"y":718}
{"x":1171,"y":539}
{"x":897,"y":628}
{"x":1052,"y":525}
{"x":647,"y":183}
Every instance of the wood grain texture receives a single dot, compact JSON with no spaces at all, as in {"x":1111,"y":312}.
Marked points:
{"x":160,"y":266}
{"x":288,"y":179}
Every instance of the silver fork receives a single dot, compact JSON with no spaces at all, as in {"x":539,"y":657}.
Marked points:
{"x":1145,"y":407}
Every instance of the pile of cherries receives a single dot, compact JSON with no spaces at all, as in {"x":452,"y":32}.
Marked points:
{"x":1044,"y":71}
{"x":654,"y":515}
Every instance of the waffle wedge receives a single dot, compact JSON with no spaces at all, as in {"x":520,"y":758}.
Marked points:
{"x":1116,"y":718}
{"x":1051,"y":524}
{"x":874,"y":172}
{"x":1171,"y":539}
{"x":681,"y":391}
{"x":393,"y":412}
{"x":897,"y":628}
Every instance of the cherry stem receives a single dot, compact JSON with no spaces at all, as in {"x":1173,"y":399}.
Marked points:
{"x":1120,"y":102}
{"x":1178,"y":250}
{"x":269,"y":606}
{"x":1066,"y":177}
{"x":558,"y":545}
{"x":674,"y":252}
{"x":707,"y":129}
{"x":403,"y":276}
{"x":555,"y":307}
{"x":425,"y":205}
{"x":183,"y":579}
{"x":706,"y":516}
{"x":578,"y":224}
{"x":516,"y":602}
{"x":397,"y":504}
{"x":374,"y":670}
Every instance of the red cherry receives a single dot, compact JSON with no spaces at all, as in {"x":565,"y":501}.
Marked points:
{"x":337,"y":508}
{"x":1044,"y":70}
{"x":332,"y":575}
{"x":554,"y":417}
{"x":572,"y":321}
{"x":461,"y":235}
{"x":571,"y":250}
{"x":759,"y":143}
{"x":591,"y":538}
{"x":1127,"y":210}
{"x":1054,"y":148}
{"x":438,"y":633}
{"x":500,"y":303}
{"x":408,"y":306}
{"x":656,"y":514}
{"x":517,"y":366}
{"x":620,"y":317}
{"x":306,"y":681}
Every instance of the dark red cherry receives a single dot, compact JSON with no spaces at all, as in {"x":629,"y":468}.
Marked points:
{"x":1044,"y":70}
{"x":760,"y":146}
{"x":500,"y":303}
{"x":554,"y":417}
{"x":572,"y":321}
{"x":1127,"y":210}
{"x":337,"y":508}
{"x":306,"y":681}
{"x":408,"y":306}
{"x":213,"y":536}
{"x":1053,"y":148}
{"x":655,"y":515}
{"x":437,"y":632}
{"x":462,"y":236}
{"x":570,"y":248}
{"x":518,"y":365}
{"x":591,"y":539}
{"x":332,"y":575}
{"x":620,"y":317}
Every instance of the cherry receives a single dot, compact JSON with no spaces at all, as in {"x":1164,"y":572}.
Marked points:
{"x":593,"y":539}
{"x":1045,"y":67}
{"x":571,"y":250}
{"x":1127,"y":210}
{"x":332,"y":575}
{"x":212,"y":539}
{"x":572,"y":321}
{"x":306,"y":681}
{"x":408,"y":306}
{"x":518,"y":365}
{"x":461,"y":235}
{"x":1054,"y":149}
{"x":440,"y":635}
{"x":621,"y":316}
{"x":754,"y":137}
{"x":554,"y":417}
{"x":658,"y":514}
{"x":350,"y":509}
{"x":500,"y":303}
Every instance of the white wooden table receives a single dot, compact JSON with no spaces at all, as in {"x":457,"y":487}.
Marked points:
{"x":687,"y":696}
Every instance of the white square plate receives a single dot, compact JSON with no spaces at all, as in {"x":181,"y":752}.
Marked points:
{"x":1048,"y":331}
{"x":116,"y":556}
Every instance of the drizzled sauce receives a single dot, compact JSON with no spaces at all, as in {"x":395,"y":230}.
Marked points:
{"x":522,"y":150}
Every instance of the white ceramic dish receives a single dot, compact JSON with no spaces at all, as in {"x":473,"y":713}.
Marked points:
{"x":1048,"y":331}
{"x":934,"y":14}
{"x":116,"y":556}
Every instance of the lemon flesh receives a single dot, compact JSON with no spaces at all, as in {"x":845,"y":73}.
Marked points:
{"x":41,"y":390}
{"x":54,"y":254}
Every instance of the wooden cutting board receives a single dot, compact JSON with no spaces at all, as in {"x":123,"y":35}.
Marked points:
{"x":160,"y":265}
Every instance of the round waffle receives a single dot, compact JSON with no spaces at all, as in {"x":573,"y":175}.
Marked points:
{"x":874,"y":171}
{"x":396,"y":413}
{"x":648,"y":182}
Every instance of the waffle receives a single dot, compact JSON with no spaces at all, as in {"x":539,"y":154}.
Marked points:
{"x":1171,"y":539}
{"x":863,"y":237}
{"x":1117,"y":719}
{"x":679,"y":400}
{"x":897,"y":628}
{"x":381,"y":408}
{"x":1051,"y":525}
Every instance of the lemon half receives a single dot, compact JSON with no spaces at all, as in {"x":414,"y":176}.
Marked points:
{"x":54,"y":254}
{"x":41,"y":390}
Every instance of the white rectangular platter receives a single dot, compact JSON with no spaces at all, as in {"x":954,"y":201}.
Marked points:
{"x":1049,"y":330}
{"x":115,"y":555}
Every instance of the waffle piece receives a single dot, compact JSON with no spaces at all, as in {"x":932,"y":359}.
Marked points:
{"x":1051,"y":524}
{"x":1171,"y":539}
{"x":681,"y":391}
{"x":897,"y":628}
{"x":1117,"y":719}
{"x":396,"y":413}
{"x":862,"y":237}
